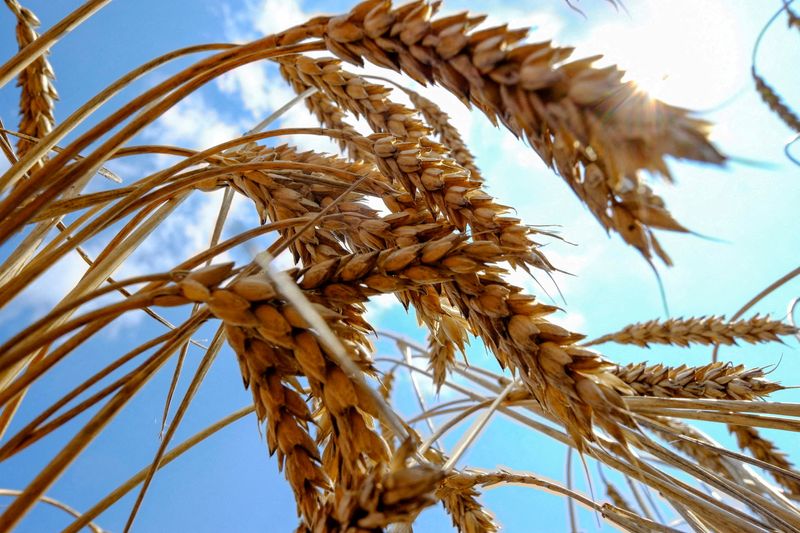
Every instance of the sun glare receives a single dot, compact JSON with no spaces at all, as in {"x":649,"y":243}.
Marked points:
{"x":684,"y":52}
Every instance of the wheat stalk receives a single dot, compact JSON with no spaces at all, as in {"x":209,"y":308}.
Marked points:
{"x":749,"y":439}
{"x":617,"y":516}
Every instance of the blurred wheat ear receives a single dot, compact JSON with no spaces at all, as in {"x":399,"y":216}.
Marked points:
{"x":441,"y":244}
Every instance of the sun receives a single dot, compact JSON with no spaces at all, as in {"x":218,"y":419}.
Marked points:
{"x":686,"y":53}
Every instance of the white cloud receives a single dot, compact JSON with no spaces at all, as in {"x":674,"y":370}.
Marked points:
{"x":193,"y":123}
{"x":258,"y":87}
{"x":249,"y":82}
{"x":44,"y":293}
{"x":186,"y":232}
{"x":378,"y":306}
{"x":264,"y":17}
{"x":573,"y":321}
{"x":544,"y":24}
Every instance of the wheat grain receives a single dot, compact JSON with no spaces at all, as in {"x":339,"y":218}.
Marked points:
{"x":442,"y":343}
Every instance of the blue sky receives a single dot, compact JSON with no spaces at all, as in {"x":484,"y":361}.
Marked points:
{"x":690,"y":53}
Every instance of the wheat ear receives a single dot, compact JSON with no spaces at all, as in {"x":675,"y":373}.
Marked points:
{"x":721,"y":381}
{"x":38,"y":96}
{"x":701,"y":330}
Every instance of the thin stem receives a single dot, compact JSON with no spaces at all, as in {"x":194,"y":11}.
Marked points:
{"x":477,"y":428}
{"x":571,"y":515}
{"x":57,"y":504}
{"x":757,"y":298}
{"x":200,"y":374}
{"x":173,"y":454}
{"x":46,"y":477}
{"x":417,"y":392}
{"x":28,"y":55}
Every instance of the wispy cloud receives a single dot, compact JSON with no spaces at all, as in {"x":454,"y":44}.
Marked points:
{"x":193,"y":123}
{"x":379,"y":306}
{"x":255,"y":89}
{"x":40,"y":296}
{"x":261,"y":17}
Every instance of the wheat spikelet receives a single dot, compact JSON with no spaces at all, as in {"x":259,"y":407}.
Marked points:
{"x":354,"y":94}
{"x":775,"y":103}
{"x":287,"y":418}
{"x":460,"y":499}
{"x":387,"y":384}
{"x":266,"y":370}
{"x":442,"y":343}
{"x":38,"y":95}
{"x":721,"y":381}
{"x":793,"y":19}
{"x":383,"y":498}
{"x":749,"y":439}
{"x":701,"y":330}
{"x":449,"y":136}
{"x":328,"y":114}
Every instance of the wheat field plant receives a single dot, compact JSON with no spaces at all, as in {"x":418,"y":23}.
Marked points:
{"x":370,"y":294}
